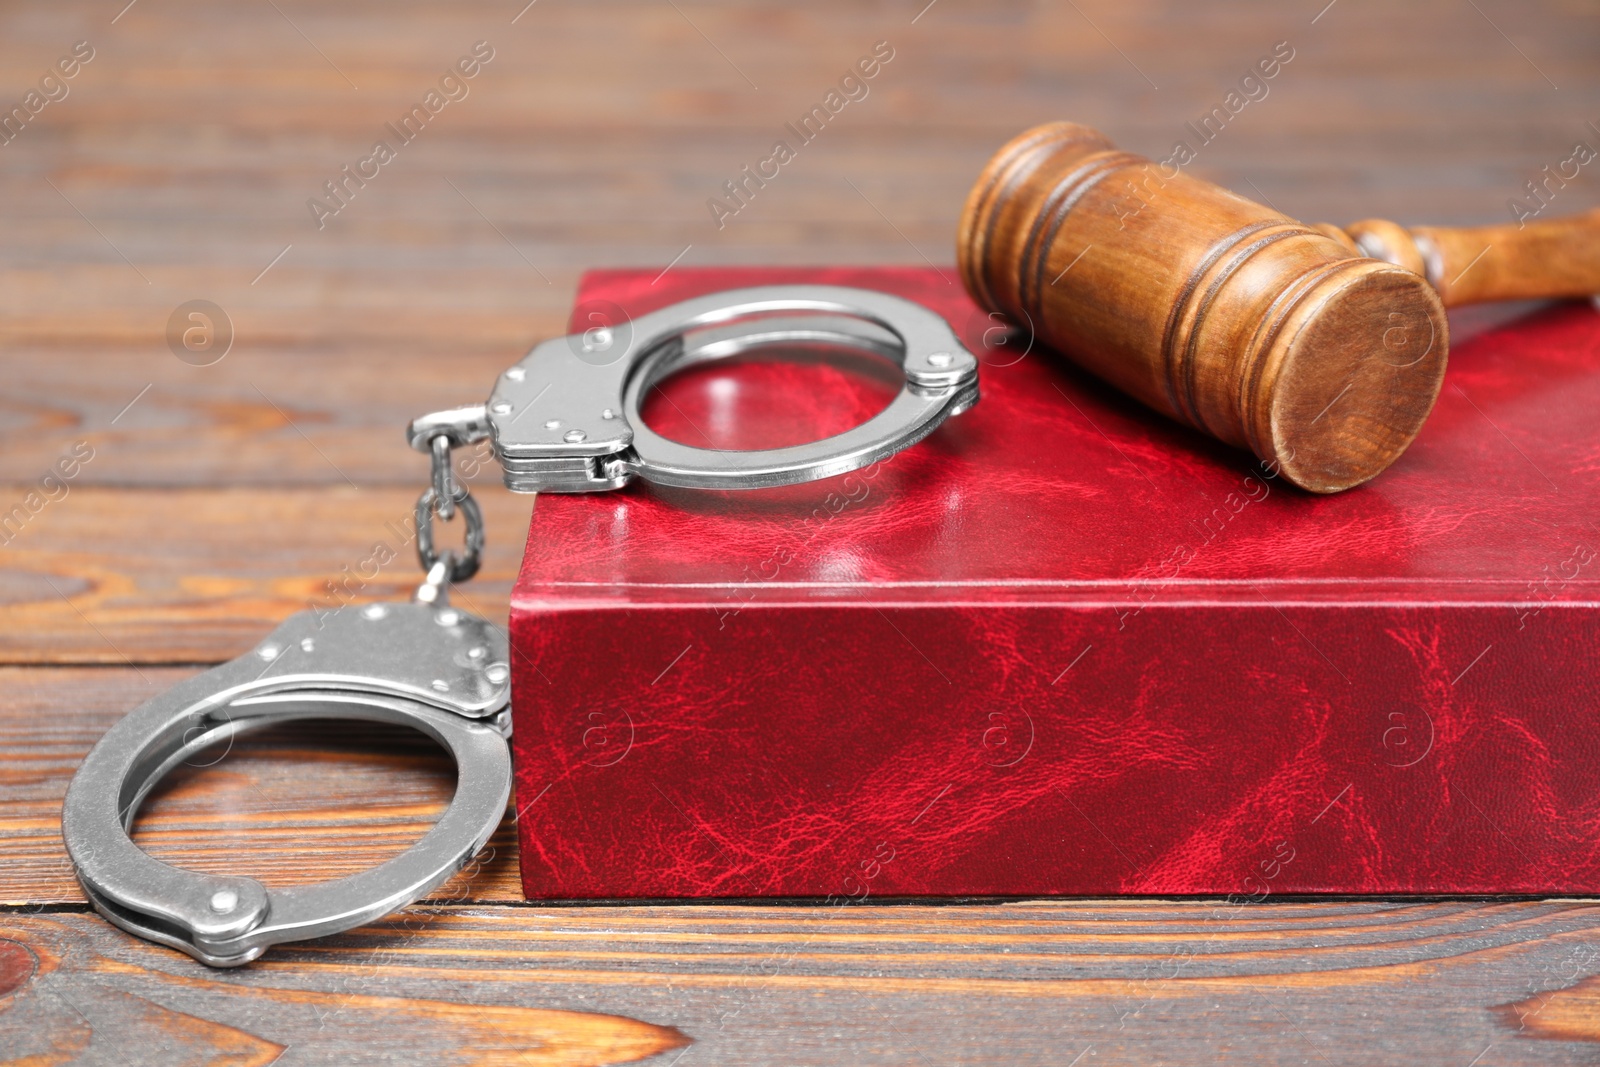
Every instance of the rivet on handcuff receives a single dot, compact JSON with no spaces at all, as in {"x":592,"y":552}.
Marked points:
{"x":564,"y":420}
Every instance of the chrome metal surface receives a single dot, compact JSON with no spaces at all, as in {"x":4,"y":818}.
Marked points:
{"x":444,"y":481}
{"x":462,"y":426}
{"x":464,"y":564}
{"x":427,"y":666}
{"x":435,"y":587}
{"x":438,"y":434}
{"x":566,"y":419}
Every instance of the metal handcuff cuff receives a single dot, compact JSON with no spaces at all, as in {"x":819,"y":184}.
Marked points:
{"x":563,"y":420}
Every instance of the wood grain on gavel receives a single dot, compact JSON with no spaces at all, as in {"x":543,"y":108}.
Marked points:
{"x":1320,"y":349}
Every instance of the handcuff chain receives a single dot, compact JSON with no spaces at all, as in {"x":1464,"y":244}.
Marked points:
{"x":439,"y":435}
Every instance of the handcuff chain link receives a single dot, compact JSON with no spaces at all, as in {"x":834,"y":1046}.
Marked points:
{"x":444,"y":495}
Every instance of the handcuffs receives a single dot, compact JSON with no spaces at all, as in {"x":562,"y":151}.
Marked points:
{"x":563,"y":420}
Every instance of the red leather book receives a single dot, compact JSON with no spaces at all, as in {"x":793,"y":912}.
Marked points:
{"x":1065,"y":646}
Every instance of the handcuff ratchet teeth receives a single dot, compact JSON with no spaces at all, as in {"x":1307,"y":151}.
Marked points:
{"x":566,"y":419}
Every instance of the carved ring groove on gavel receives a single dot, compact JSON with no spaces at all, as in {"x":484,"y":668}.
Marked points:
{"x":1320,"y":349}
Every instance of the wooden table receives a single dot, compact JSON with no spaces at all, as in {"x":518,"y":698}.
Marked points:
{"x":220,"y":498}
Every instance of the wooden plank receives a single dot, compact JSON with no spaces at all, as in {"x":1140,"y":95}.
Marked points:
{"x":277,"y":413}
{"x":594,"y":140}
{"x":1109,"y":982}
{"x":228,"y":495}
{"x":123,"y":576}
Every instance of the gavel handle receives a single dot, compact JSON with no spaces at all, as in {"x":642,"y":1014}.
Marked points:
{"x":1537,"y":260}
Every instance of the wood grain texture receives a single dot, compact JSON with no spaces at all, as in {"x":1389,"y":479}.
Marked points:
{"x":190,"y":576}
{"x":1211,"y":308}
{"x":1550,"y":257}
{"x":1129,"y":982}
{"x":179,"y":167}
{"x":595,"y":138}
{"x":1302,"y":343}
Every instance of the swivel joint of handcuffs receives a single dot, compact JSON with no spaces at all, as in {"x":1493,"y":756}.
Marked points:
{"x":566,"y":419}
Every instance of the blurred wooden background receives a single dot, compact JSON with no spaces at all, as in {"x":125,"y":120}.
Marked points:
{"x":220,"y":498}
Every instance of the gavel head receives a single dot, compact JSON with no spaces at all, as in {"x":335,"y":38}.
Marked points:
{"x":1262,"y":331}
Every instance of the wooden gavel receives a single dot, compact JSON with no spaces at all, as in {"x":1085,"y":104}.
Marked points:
{"x":1320,"y":349}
